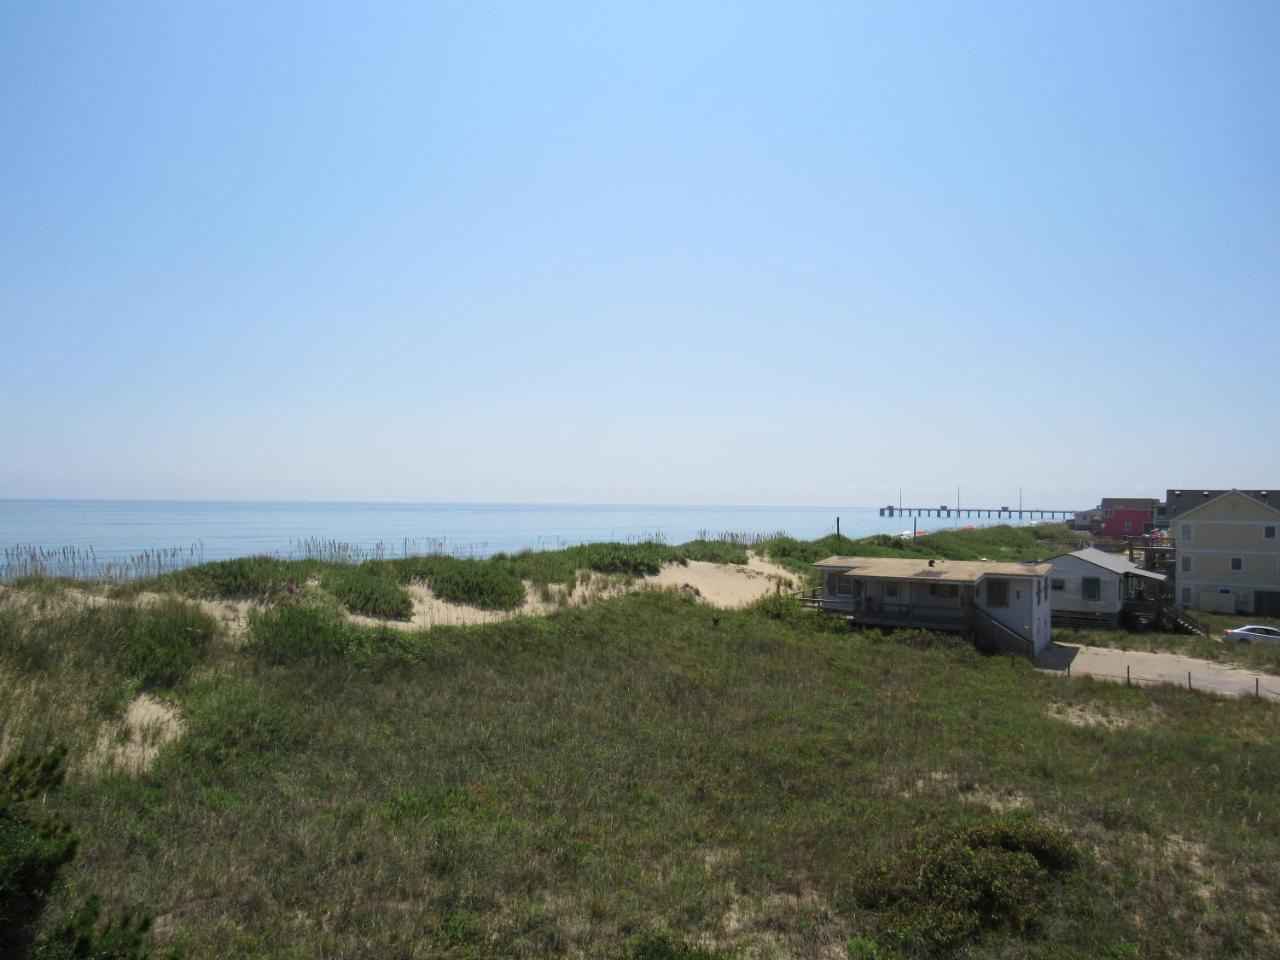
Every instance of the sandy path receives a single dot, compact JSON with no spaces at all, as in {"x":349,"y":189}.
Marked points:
{"x":1144,"y":667}
{"x":727,"y":586}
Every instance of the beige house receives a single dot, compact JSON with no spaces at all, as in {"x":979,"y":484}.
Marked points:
{"x":1004,"y":605}
{"x":1227,"y":556}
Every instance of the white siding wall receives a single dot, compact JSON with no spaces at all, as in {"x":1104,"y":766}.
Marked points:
{"x":1027,"y":614}
{"x":1073,"y":570}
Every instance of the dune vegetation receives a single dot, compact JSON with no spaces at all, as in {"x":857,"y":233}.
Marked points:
{"x":643,"y":777}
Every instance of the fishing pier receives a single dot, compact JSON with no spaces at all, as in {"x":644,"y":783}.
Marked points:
{"x":994,"y":513}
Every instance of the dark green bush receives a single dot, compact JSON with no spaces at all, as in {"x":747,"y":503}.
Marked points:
{"x":954,"y":883}
{"x":160,"y":645}
{"x":295,"y":631}
{"x":85,"y":935}
{"x":256,"y":577}
{"x":362,"y":591}
{"x":660,"y":946}
{"x":713,"y":551}
{"x":33,"y":852}
{"x":480,"y":583}
{"x":34,"y":847}
{"x":788,"y":609}
{"x":155,"y":646}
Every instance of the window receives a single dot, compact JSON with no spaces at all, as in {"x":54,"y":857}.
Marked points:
{"x":890,"y":591}
{"x":1268,"y":533}
{"x":844,"y":586}
{"x":945,"y":590}
{"x":1058,"y":584}
{"x":1185,"y":561}
{"x":1185,"y":532}
{"x":1091,"y":587}
{"x":1237,"y":564}
{"x":1186,"y":596}
{"x":1128,"y":526}
{"x":997,"y":593}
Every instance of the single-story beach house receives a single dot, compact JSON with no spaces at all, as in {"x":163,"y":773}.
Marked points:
{"x":1002,"y":605}
{"x":1091,"y":588}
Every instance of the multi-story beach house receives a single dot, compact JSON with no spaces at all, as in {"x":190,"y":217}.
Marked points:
{"x":1000,"y":605}
{"x":1227,"y":555}
{"x":1177,"y":502}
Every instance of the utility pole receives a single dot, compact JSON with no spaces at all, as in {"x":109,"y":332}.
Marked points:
{"x":957,"y":501}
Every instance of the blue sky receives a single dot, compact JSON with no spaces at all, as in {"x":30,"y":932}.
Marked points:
{"x":791,"y":253}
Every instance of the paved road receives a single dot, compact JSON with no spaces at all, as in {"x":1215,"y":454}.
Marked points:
{"x":1108,"y":664}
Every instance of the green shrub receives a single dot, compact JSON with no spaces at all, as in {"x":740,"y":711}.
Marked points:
{"x":362,"y":591}
{"x":161,"y":644}
{"x":256,"y":577}
{"x":232,"y":724}
{"x":294,"y":631}
{"x":954,"y":883}
{"x":660,"y":946}
{"x":33,"y":852}
{"x":480,"y":583}
{"x":34,"y":847}
{"x":788,"y":609}
{"x":154,"y":646}
{"x":85,"y":935}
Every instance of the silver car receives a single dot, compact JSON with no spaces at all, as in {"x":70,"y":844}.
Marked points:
{"x":1252,"y":634}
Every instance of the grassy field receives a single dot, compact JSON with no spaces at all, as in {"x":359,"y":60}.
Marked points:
{"x":641,"y":778}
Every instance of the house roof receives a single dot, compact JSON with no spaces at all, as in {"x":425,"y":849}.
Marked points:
{"x":915,"y":568}
{"x":1114,"y":563}
{"x":1222,"y":496}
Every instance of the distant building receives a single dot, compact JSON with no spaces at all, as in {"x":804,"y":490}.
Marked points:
{"x":1004,"y":605}
{"x":1177,"y":502}
{"x":1093,"y":588}
{"x":1118,"y":517}
{"x":1227,"y":554}
{"x":1126,"y":516}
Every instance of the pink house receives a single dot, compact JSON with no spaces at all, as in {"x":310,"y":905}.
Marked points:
{"x":1121,"y":517}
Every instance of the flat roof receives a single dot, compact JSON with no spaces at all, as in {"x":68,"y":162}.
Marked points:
{"x":915,"y":568}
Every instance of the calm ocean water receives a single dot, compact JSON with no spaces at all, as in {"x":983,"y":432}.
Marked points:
{"x":120,"y":529}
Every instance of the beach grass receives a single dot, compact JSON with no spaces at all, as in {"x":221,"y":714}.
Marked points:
{"x":645,"y":777}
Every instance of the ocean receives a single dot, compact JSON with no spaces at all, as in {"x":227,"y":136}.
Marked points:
{"x":199,"y":530}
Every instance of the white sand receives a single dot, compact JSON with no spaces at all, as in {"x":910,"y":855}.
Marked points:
{"x":728,"y":586}
{"x":134,"y":742}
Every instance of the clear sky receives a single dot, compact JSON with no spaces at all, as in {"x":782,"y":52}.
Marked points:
{"x":787,"y":253}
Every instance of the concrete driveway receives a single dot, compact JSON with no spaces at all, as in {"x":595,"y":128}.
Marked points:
{"x":1141,"y":667}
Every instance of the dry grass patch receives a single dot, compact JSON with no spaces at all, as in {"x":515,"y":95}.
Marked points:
{"x":1105,"y":716}
{"x":132,"y":743}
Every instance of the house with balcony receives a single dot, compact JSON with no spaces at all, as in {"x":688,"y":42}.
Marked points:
{"x":994,"y":605}
{"x":1093,"y":588}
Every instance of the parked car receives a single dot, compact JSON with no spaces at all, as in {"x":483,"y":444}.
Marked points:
{"x":1252,"y":634}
